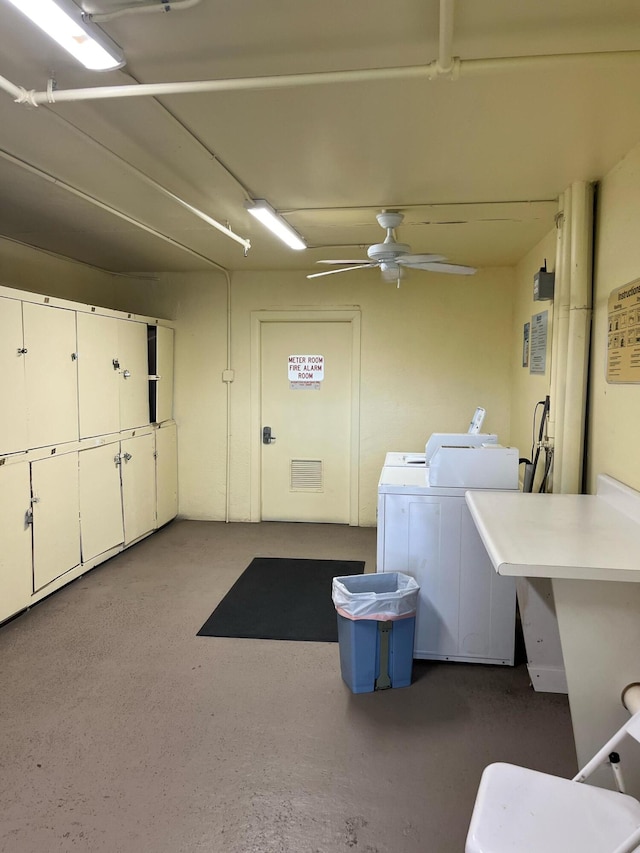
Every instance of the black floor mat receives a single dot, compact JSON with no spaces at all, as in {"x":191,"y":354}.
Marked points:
{"x":281,"y":599}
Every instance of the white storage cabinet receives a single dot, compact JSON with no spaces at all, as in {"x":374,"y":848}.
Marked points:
{"x":83,"y":471}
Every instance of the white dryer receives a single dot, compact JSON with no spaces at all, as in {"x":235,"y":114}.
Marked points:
{"x":466,"y":611}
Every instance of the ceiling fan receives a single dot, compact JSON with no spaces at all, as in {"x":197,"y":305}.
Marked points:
{"x":392,"y":257}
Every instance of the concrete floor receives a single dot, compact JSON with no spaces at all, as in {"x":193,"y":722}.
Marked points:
{"x":122,"y":731}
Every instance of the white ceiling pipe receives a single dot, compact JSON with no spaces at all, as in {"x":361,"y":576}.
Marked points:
{"x":549,"y":60}
{"x":103,"y":206}
{"x":429,"y":72}
{"x":445,"y":54}
{"x":16,"y":92}
{"x":164,"y":7}
{"x":235,"y":84}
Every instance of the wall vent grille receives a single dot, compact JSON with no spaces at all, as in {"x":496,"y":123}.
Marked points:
{"x":305,"y":475}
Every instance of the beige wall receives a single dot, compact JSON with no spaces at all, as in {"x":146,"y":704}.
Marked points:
{"x":614,"y":412}
{"x":431,"y":352}
{"x":527,"y":389}
{"x":40,"y":272}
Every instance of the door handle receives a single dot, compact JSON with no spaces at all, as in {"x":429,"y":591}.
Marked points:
{"x":267,"y":438}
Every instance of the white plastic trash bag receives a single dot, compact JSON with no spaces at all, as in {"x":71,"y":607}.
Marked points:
{"x":383,"y":597}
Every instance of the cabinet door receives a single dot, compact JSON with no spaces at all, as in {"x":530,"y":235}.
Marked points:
{"x":138,"y":473}
{"x":134,"y":364}
{"x":99,"y":378}
{"x":51,"y":374}
{"x":13,"y":417}
{"x":56,"y":517}
{"x":101,"y":526}
{"x":15,"y":535}
{"x":166,"y":473}
{"x":164,"y":369}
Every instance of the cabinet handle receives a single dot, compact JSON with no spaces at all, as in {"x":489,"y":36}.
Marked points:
{"x":127,"y":457}
{"x":126,"y":374}
{"x":74,"y":356}
{"x":28,"y":517}
{"x":22,"y":350}
{"x":115,"y":363}
{"x":117,"y":459}
{"x":35,"y":499}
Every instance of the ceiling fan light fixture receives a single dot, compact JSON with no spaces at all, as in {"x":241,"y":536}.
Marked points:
{"x":264,"y":213}
{"x":391,"y":271}
{"x":63,"y":22}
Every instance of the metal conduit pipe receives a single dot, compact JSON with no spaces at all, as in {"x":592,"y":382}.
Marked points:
{"x":243,"y":241}
{"x":13,"y":90}
{"x":445,"y":45}
{"x":552,"y":426}
{"x":228,"y":382}
{"x":578,"y":337}
{"x":560,"y":337}
{"x":431,"y":71}
{"x":164,"y":7}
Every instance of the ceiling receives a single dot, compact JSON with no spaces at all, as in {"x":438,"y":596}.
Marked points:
{"x":475,"y":163}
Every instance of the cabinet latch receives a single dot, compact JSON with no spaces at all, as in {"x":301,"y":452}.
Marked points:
{"x":28,"y":517}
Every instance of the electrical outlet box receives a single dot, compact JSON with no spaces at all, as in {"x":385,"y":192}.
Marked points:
{"x":543,"y":285}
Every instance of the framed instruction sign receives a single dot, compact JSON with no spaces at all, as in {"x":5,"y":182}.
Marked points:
{"x":538,"y":343}
{"x":623,"y":336}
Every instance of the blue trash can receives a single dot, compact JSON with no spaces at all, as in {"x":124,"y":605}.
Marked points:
{"x":376,"y":625}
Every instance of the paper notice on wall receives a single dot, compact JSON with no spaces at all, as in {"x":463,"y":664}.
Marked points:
{"x":538,"y":343}
{"x":306,"y":372}
{"x":623,"y":336}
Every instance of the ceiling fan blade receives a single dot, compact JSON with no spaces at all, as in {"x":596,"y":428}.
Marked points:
{"x":343,"y":269}
{"x":454,"y":269}
{"x":350,"y":261}
{"x":411,"y":260}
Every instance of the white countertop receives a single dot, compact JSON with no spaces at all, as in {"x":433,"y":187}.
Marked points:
{"x":586,"y":537}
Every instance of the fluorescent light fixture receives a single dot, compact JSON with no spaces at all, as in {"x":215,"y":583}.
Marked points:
{"x":264,"y":213}
{"x":62,"y":21}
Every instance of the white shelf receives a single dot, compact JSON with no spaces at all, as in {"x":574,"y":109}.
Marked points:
{"x":579,"y":537}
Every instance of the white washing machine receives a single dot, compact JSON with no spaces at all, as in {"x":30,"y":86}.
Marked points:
{"x":394,"y":459}
{"x":466,"y":611}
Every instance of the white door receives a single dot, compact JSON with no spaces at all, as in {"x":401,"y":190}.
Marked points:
{"x":101,"y":526}
{"x":56,"y":517}
{"x":51,"y":374}
{"x":13,"y":420}
{"x":99,"y":378}
{"x":134,"y":365}
{"x":306,"y":470}
{"x":138,"y":472}
{"x":16,"y":583}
